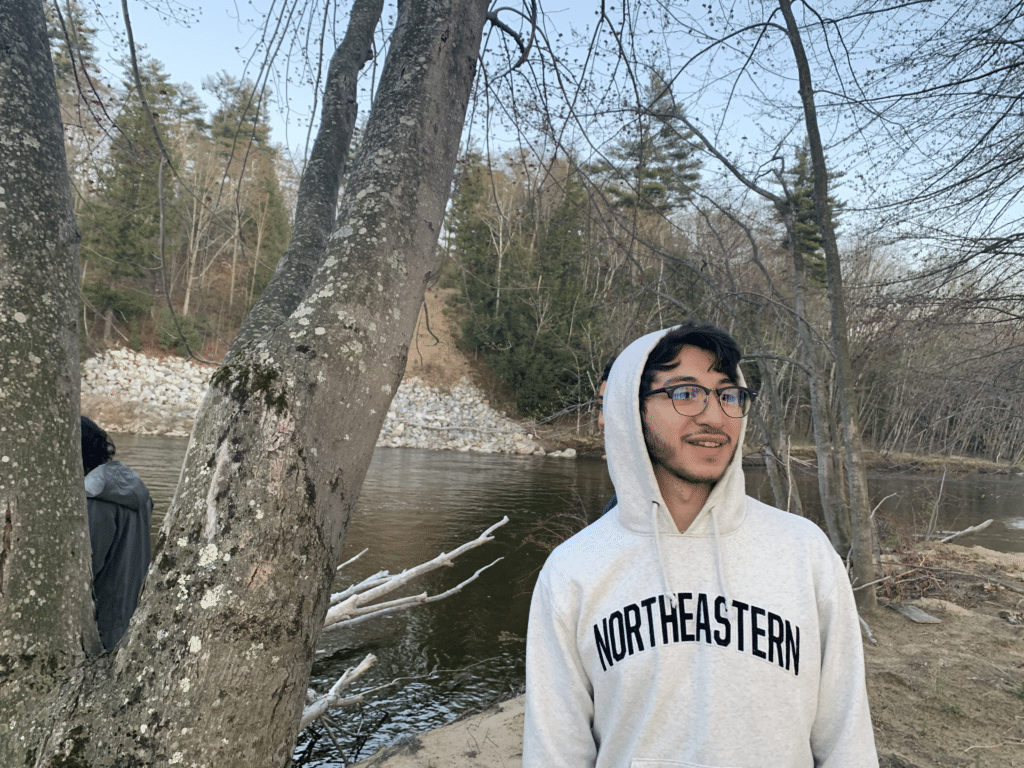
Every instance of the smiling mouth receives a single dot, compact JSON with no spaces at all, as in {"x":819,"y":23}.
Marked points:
{"x":707,"y":441}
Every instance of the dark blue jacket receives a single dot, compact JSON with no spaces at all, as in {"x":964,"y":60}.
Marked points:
{"x":120,"y":510}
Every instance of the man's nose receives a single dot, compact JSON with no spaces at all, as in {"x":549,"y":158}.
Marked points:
{"x":713,"y":412}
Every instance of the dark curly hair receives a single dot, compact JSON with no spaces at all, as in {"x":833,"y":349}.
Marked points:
{"x":97,"y":448}
{"x":702,"y":335}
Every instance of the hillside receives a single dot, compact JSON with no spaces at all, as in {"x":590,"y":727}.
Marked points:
{"x":433,"y":355}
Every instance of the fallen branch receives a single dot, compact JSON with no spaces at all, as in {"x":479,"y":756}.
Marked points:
{"x":871,"y":583}
{"x":348,"y":614}
{"x":351,"y":675}
{"x":1010,"y":743}
{"x":355,"y":603}
{"x":319,"y":706}
{"x":967,"y":531}
{"x":989,"y":578}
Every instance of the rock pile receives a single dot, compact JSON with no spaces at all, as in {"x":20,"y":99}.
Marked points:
{"x":131,"y":392}
{"x":456,"y":420}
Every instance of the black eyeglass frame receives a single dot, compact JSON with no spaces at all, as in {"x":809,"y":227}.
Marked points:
{"x":751,"y":397}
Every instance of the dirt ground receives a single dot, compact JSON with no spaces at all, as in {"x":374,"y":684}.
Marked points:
{"x":432,"y":354}
{"x":951,"y":693}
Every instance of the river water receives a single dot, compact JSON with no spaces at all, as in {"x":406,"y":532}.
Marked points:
{"x":443,"y":659}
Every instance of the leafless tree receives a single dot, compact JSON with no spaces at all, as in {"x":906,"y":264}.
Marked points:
{"x":215,"y":665}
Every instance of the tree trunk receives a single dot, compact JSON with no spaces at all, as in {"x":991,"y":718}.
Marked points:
{"x":862,"y":554}
{"x":108,"y":326}
{"x":777,"y":446}
{"x":215,"y":665}
{"x":47,"y":623}
{"x":833,"y":500}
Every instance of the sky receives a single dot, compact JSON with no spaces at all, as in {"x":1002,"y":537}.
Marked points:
{"x":199,"y":38}
{"x":196,"y":39}
{"x":193,"y":43}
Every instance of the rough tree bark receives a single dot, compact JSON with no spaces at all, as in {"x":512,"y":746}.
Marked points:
{"x":46,"y":613}
{"x":215,"y":665}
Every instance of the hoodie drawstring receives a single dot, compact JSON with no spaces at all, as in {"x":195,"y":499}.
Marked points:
{"x":718,"y":557}
{"x":661,"y":557}
{"x":719,"y":565}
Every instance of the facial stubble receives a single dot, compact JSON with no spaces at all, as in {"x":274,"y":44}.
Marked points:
{"x":660,"y":453}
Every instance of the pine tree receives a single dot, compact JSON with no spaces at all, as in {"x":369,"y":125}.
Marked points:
{"x":120,"y":218}
{"x":71,"y":42}
{"x":241,"y":112}
{"x":656,"y":168}
{"x":797,"y":213}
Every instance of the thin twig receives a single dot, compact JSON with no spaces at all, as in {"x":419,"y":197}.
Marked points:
{"x":934,"y":519}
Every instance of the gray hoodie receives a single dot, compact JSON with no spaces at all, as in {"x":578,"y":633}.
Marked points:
{"x":120,"y":511}
{"x":733,"y":644}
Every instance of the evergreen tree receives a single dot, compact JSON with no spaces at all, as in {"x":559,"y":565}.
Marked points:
{"x":81,"y":90}
{"x":654,"y":169}
{"x":71,"y":43}
{"x":528,"y":310}
{"x":120,"y":219}
{"x":241,"y":112}
{"x":797,"y":212}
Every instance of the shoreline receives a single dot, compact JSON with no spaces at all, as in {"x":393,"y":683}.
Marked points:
{"x":134,"y":393}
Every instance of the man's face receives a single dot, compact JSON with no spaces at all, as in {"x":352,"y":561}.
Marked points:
{"x":600,"y":404}
{"x":693,"y":449}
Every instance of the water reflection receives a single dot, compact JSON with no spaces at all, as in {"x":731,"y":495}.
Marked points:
{"x":461,"y":653}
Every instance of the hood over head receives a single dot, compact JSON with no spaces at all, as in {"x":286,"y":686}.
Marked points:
{"x":117,"y":484}
{"x":632,"y":474}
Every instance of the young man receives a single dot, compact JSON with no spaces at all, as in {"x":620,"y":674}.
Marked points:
{"x":120,"y":510}
{"x":692,"y":625}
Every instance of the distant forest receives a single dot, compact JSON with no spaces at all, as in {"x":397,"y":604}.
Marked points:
{"x":558,"y":258}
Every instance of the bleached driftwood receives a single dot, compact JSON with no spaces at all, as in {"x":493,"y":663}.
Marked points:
{"x":354,"y":605}
{"x":317,"y":706}
{"x":967,"y":531}
{"x":867,"y":631}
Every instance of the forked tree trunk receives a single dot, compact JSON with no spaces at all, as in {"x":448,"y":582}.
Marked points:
{"x":215,"y":664}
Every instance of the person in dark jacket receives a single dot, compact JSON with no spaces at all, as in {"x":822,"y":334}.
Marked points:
{"x":600,"y":420}
{"x":120,"y":511}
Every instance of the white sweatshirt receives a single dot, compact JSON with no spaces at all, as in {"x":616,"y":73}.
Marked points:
{"x":733,"y":645}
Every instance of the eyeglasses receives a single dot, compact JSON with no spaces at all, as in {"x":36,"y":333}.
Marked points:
{"x":692,"y":399}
